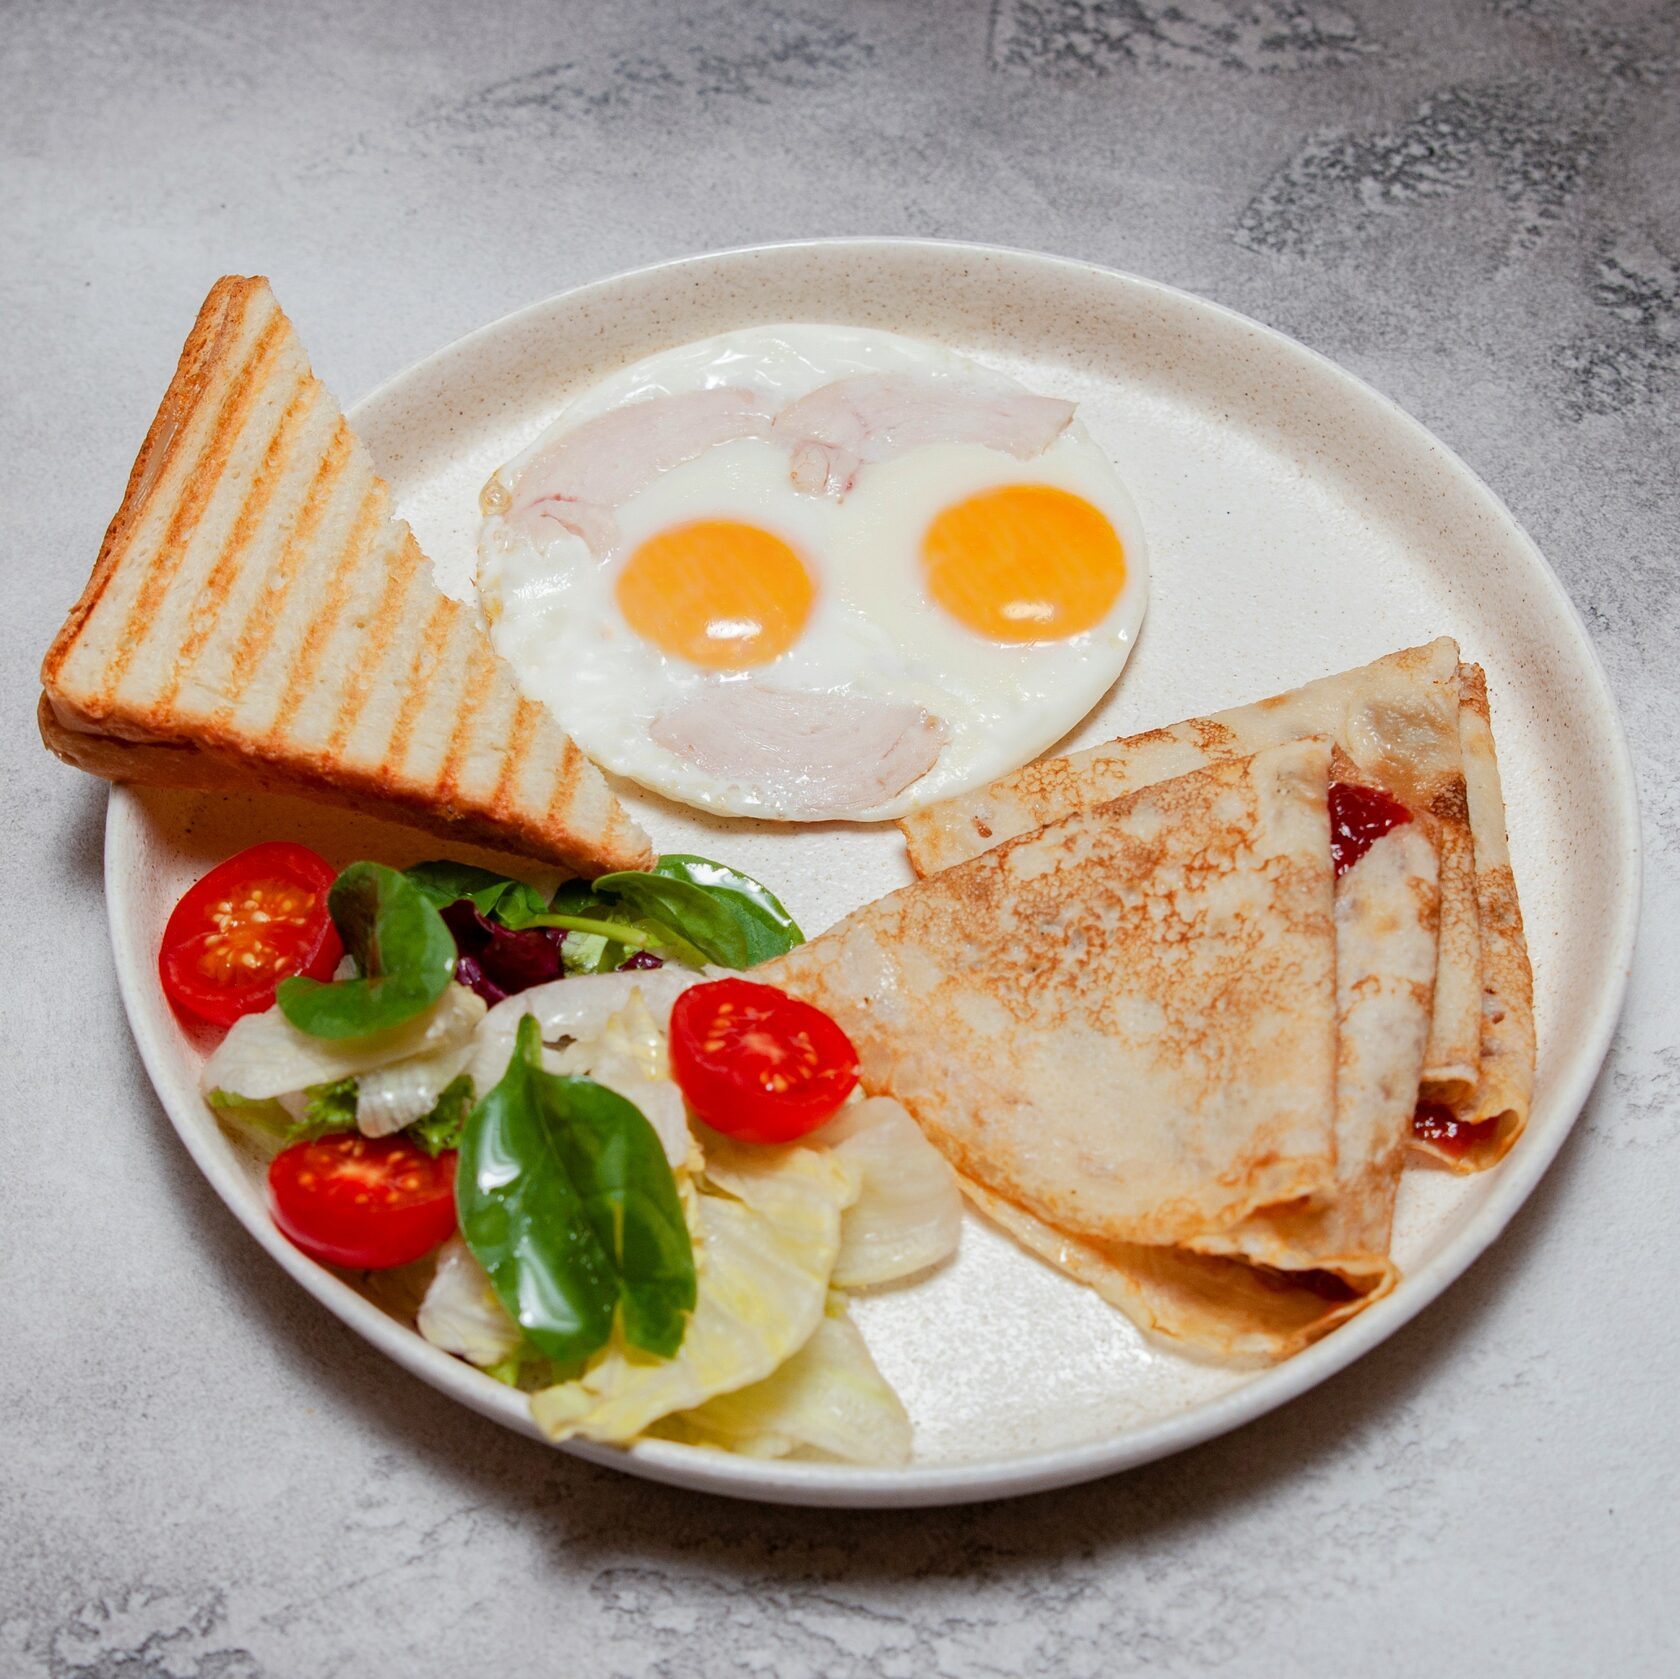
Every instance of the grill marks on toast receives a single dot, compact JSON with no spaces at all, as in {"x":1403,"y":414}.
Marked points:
{"x":258,"y":616}
{"x":263,"y":505}
{"x":146,"y":616}
{"x":513,"y":765}
{"x":422,"y":678}
{"x":466,"y":772}
{"x":321,"y":502}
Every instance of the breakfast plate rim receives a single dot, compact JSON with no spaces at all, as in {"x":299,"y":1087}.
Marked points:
{"x":821,"y":1484}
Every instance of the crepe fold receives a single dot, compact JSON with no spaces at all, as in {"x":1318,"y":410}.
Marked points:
{"x":1162,"y":1045}
{"x":1414,"y":723}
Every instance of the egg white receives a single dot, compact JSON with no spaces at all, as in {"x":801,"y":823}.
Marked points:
{"x":873,"y":630}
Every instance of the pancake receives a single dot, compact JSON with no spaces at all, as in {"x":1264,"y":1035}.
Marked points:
{"x":1495,"y":1108}
{"x":1124,"y":1023}
{"x":1410,"y":722}
{"x":1102,"y":1023}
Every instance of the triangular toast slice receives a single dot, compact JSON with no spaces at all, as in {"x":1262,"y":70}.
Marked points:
{"x":259,"y":619}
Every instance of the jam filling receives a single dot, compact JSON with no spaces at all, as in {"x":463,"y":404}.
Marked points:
{"x":1436,"y":1123}
{"x":1359,"y":817}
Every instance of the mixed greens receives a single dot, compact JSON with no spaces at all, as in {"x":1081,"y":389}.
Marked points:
{"x":566,"y":1199}
{"x":635,"y":1270}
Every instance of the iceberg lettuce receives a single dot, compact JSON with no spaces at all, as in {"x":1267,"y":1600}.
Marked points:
{"x":264,"y":1055}
{"x":763,"y":1266}
{"x":828,"y":1400}
{"x":461,"y":1313}
{"x":908,"y":1213}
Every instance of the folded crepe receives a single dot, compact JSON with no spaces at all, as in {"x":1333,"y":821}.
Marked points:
{"x":1162,"y":1045}
{"x":1497,"y":1106}
{"x":1415,"y":724}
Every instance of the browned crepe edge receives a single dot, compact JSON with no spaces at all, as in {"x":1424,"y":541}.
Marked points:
{"x":1503,"y":1093}
{"x":1051,"y":788}
{"x":1222,"y":1307}
{"x":1386,"y":929}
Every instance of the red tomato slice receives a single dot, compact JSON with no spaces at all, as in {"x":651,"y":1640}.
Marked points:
{"x":366,"y":1203}
{"x":757,"y":1064}
{"x":251,"y":922}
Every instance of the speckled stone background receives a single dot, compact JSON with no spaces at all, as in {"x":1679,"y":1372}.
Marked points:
{"x":1476,"y":205}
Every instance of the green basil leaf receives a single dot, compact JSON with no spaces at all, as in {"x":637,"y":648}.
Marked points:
{"x":777,"y":931}
{"x":696,"y":911}
{"x":404,"y":954}
{"x":441,"y":1129}
{"x":566,"y":1198}
{"x":511,"y":902}
{"x":576,"y":897}
{"x":589,"y":917}
{"x":716,"y":928}
{"x":724,"y":925}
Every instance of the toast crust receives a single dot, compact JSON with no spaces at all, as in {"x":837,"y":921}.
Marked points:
{"x":258,"y":619}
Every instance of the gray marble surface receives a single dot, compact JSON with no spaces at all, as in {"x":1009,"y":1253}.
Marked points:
{"x":1475,"y":205}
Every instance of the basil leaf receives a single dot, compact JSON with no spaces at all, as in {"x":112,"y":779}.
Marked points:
{"x":565,"y":1197}
{"x":714,"y":927}
{"x":441,"y":1129}
{"x":725,"y":915}
{"x":590,"y":918}
{"x":511,"y":902}
{"x":694,"y":910}
{"x":577,"y":897}
{"x":403,"y":951}
{"x":777,"y":931}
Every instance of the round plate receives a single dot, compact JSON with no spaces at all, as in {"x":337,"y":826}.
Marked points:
{"x":1299,"y":524}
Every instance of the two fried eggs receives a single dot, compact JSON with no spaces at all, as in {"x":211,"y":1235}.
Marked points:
{"x":803,"y":572}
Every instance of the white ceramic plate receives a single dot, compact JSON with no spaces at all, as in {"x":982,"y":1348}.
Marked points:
{"x":1299,"y":524}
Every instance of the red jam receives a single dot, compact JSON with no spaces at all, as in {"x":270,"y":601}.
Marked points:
{"x":1359,"y":817}
{"x":1435,"y":1122}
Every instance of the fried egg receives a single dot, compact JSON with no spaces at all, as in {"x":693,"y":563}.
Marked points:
{"x":806,"y":572}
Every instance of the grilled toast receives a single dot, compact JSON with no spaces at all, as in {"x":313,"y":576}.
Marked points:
{"x":259,"y":619}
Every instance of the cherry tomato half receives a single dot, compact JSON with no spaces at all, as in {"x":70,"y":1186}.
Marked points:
{"x":757,"y":1064}
{"x":366,"y":1203}
{"x":250,"y":923}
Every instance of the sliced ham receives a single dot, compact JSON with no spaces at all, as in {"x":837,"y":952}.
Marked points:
{"x":806,"y":756}
{"x":579,"y":480}
{"x":871,"y":417}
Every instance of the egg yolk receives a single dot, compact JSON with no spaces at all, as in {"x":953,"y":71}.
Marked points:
{"x":717,"y":593}
{"x":1024,"y":563}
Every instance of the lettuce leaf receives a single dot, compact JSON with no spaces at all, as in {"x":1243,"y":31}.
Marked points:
{"x":441,"y":1129}
{"x":763,"y":1276}
{"x":908,"y":1214}
{"x":461,"y":1313}
{"x":828,"y":1400}
{"x":264,"y":1055}
{"x":326,"y":1108}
